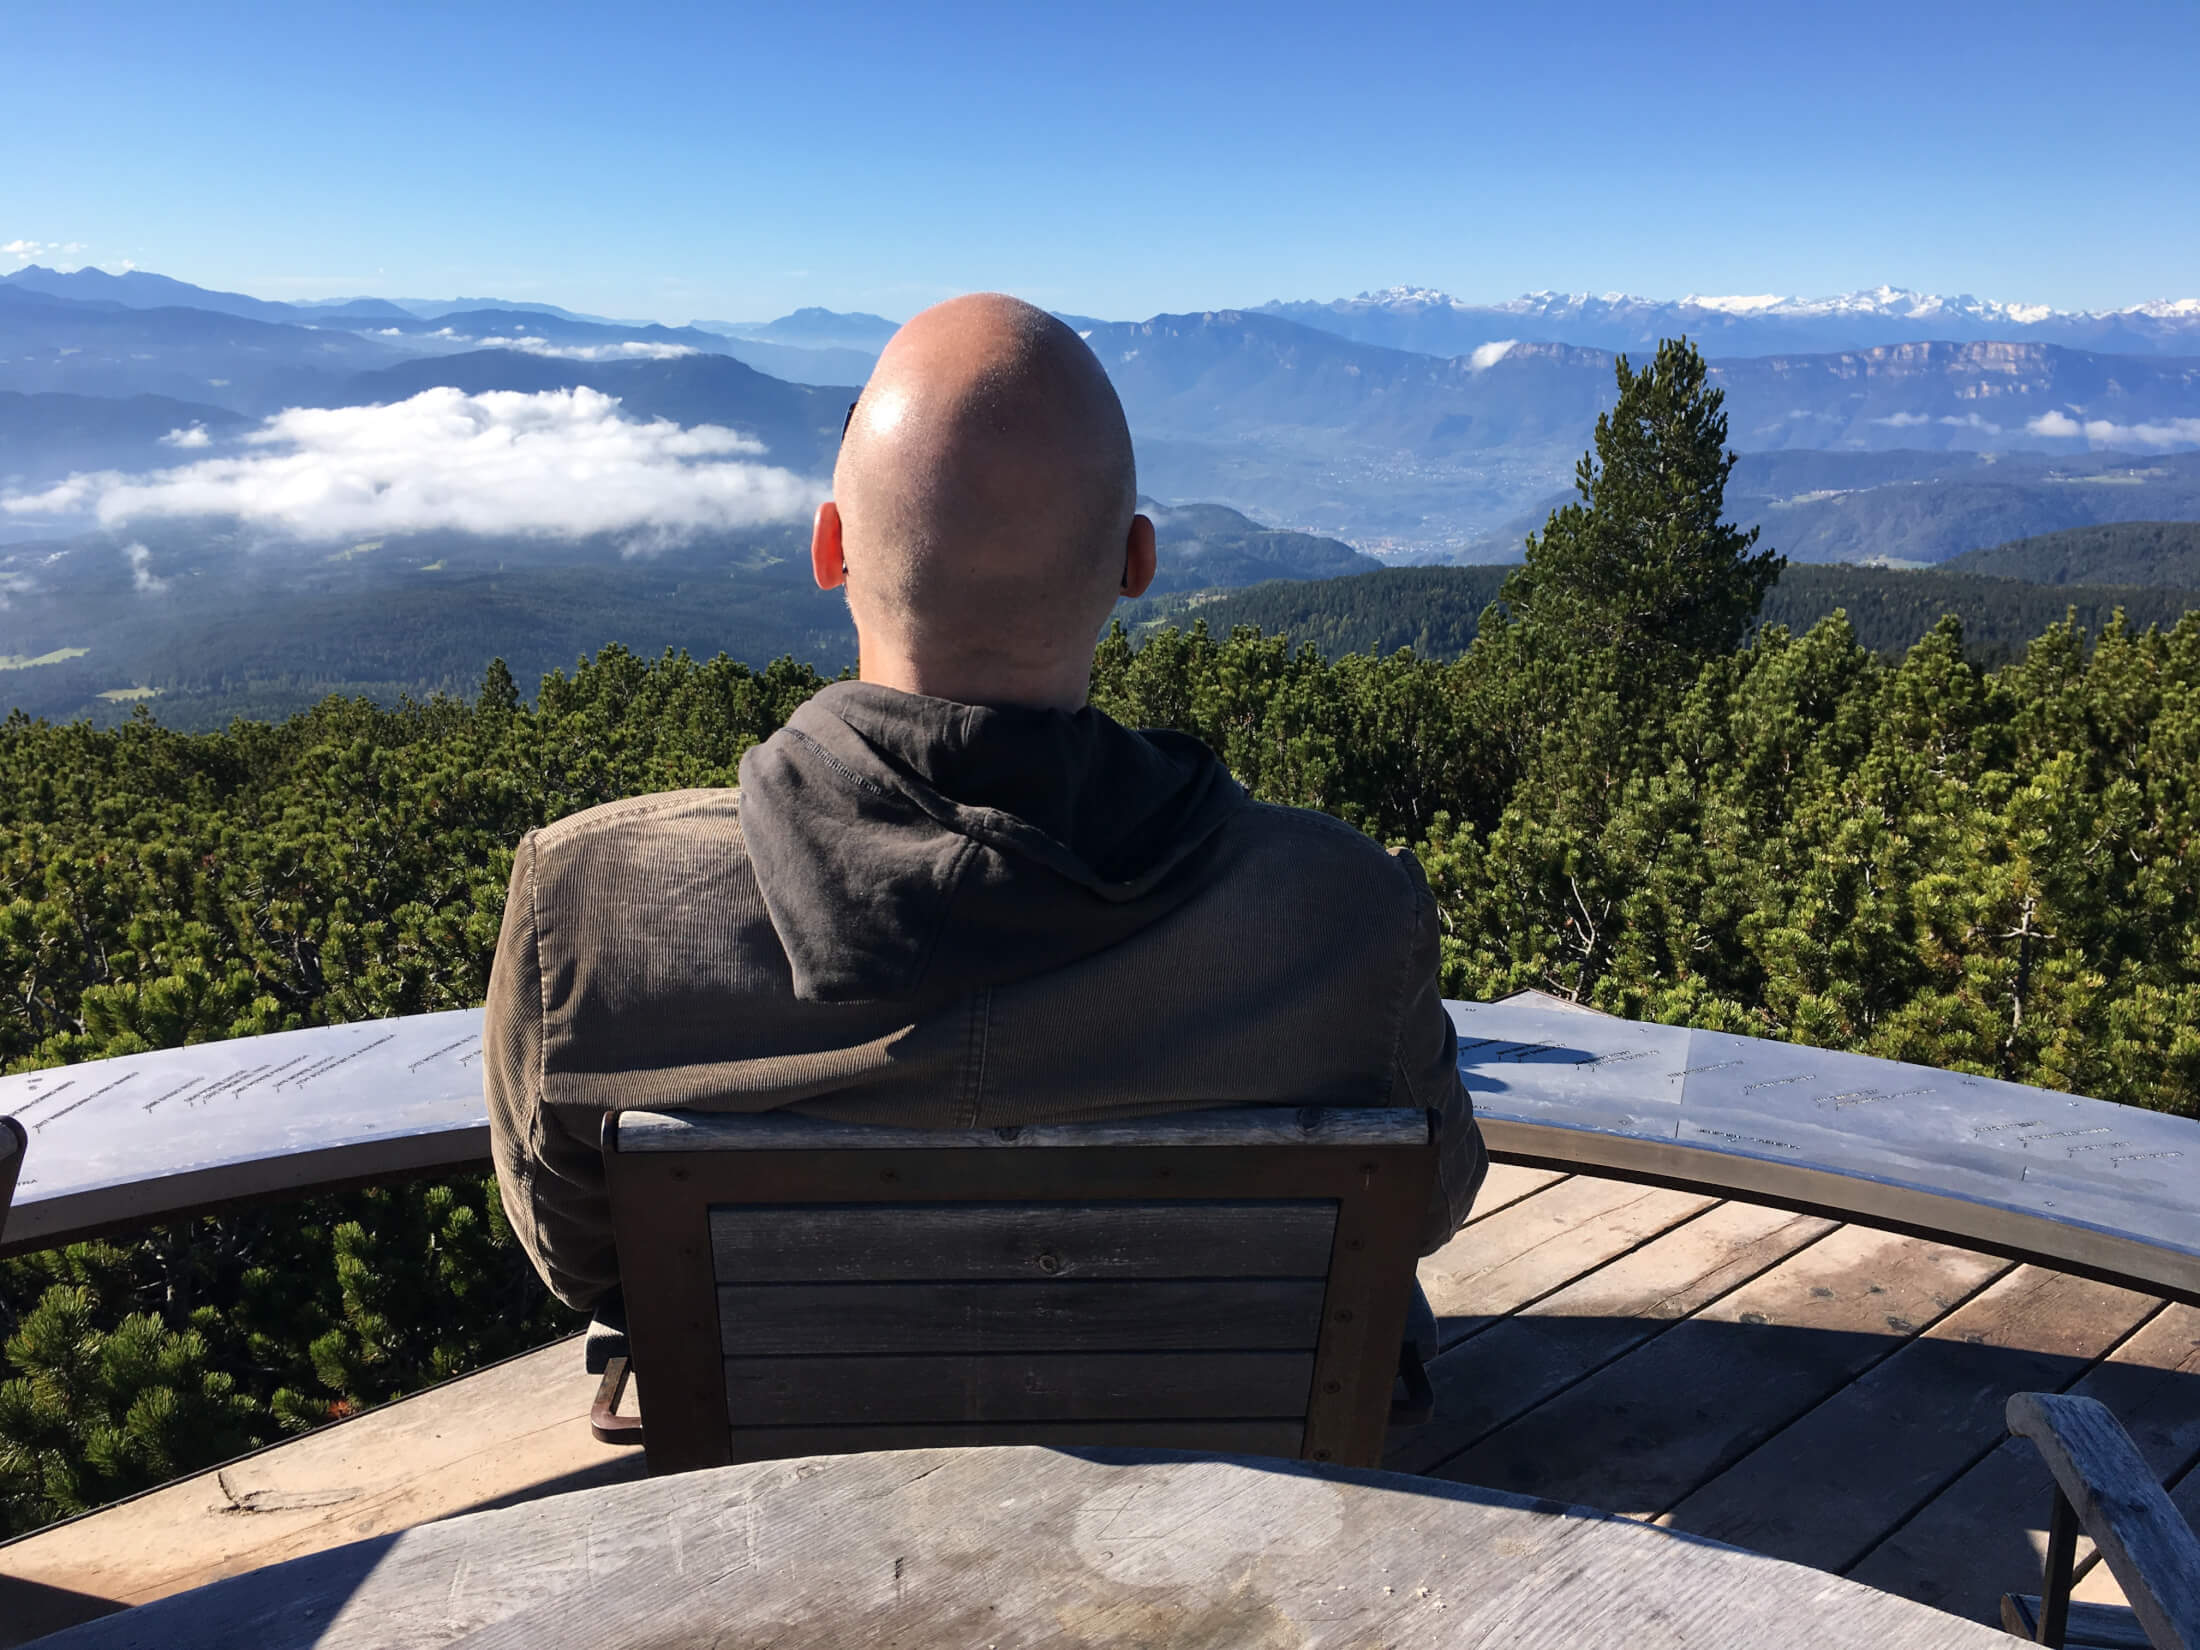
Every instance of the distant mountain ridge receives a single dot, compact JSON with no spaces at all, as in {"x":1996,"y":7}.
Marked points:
{"x":51,"y":343}
{"x":142,"y":289}
{"x":1248,"y":372}
{"x":813,"y":328}
{"x":1434,"y":322}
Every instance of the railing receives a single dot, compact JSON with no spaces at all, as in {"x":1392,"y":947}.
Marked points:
{"x":2085,"y":1186}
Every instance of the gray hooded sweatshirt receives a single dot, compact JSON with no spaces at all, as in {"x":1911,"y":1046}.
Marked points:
{"x":943,"y":915}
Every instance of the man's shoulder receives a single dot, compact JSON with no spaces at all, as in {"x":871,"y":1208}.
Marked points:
{"x":1315,"y":843}
{"x":639,"y":820}
{"x":622,"y":849}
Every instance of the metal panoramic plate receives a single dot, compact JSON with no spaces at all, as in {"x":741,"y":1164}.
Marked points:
{"x":2018,"y":1169}
{"x":2101,"y":1188}
{"x":145,"y":1137}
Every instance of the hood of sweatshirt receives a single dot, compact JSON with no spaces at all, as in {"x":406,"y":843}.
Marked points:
{"x":915,"y":848}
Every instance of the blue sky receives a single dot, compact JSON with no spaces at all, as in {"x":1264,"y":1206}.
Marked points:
{"x":726,"y":162}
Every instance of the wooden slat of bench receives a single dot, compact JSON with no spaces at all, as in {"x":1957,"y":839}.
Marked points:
{"x":1888,"y":1443}
{"x":781,"y":1320}
{"x":1017,"y":1387}
{"x":1226,"y":1126}
{"x":1543,"y":1243}
{"x":1641,"y":1433}
{"x":2143,"y":1538}
{"x":1516,"y":1362}
{"x":1983,"y":1535}
{"x":2098,"y":1585}
{"x":1223,"y":1437}
{"x":2090,"y":1626}
{"x":877,"y":1243}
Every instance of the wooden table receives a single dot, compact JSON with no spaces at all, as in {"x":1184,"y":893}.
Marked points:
{"x":1006,"y":1547}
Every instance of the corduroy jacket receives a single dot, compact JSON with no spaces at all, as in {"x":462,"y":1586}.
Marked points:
{"x":940,"y":915}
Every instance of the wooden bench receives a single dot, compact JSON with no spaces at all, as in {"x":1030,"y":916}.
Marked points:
{"x":2104,"y":1487}
{"x":1232,"y":1280}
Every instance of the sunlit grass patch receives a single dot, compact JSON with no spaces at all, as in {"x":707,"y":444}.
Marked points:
{"x":26,"y":661}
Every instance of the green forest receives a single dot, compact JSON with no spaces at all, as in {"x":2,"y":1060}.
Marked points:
{"x":1436,"y":610}
{"x":1627,"y":791}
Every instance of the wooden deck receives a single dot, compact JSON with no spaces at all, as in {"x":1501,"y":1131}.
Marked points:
{"x":1816,"y":1391}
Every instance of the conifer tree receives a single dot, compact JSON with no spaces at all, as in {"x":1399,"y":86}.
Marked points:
{"x":1642,"y":579}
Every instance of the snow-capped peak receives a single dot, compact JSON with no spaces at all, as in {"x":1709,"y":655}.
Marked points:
{"x":1880,"y":302}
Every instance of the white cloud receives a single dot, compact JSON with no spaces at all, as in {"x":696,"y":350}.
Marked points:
{"x":1486,"y":356}
{"x":25,"y":252}
{"x":626,"y":351}
{"x":530,"y":344}
{"x":561,"y":464}
{"x":1970,"y":421}
{"x":1903,"y":421}
{"x":2102,"y":432}
{"x":193,"y":435}
{"x":141,"y":570}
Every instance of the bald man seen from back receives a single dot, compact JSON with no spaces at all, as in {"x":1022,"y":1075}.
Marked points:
{"x":952,"y":894}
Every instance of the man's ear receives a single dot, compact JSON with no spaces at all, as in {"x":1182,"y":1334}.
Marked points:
{"x":828,"y":563}
{"x":1139,"y":557}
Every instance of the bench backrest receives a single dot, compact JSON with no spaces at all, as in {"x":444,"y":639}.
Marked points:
{"x":1233,"y":1280}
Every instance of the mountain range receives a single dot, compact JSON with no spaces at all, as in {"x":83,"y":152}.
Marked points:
{"x":1436,"y":323}
{"x":1406,"y":422}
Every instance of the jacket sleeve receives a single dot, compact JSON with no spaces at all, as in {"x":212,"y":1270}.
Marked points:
{"x":1428,"y":1072}
{"x":552,"y":1179}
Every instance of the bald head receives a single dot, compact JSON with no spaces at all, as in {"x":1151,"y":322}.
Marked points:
{"x":984,"y":507}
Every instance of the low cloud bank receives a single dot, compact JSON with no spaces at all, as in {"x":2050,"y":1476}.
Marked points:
{"x":559,"y":464}
{"x":627,"y":350}
{"x":2102,"y":432}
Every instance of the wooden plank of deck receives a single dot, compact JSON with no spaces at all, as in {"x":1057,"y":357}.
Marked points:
{"x":507,"y":1433}
{"x":1640,"y":1434}
{"x":1984,"y":1534}
{"x":1514,"y":1363}
{"x":1542,"y":1243}
{"x":1894,"y":1438}
{"x":1508,"y":1183}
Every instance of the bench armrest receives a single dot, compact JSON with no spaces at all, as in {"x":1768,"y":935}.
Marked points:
{"x":2146,"y":1544}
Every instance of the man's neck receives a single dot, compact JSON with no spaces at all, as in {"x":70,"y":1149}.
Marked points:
{"x":967,"y":685}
